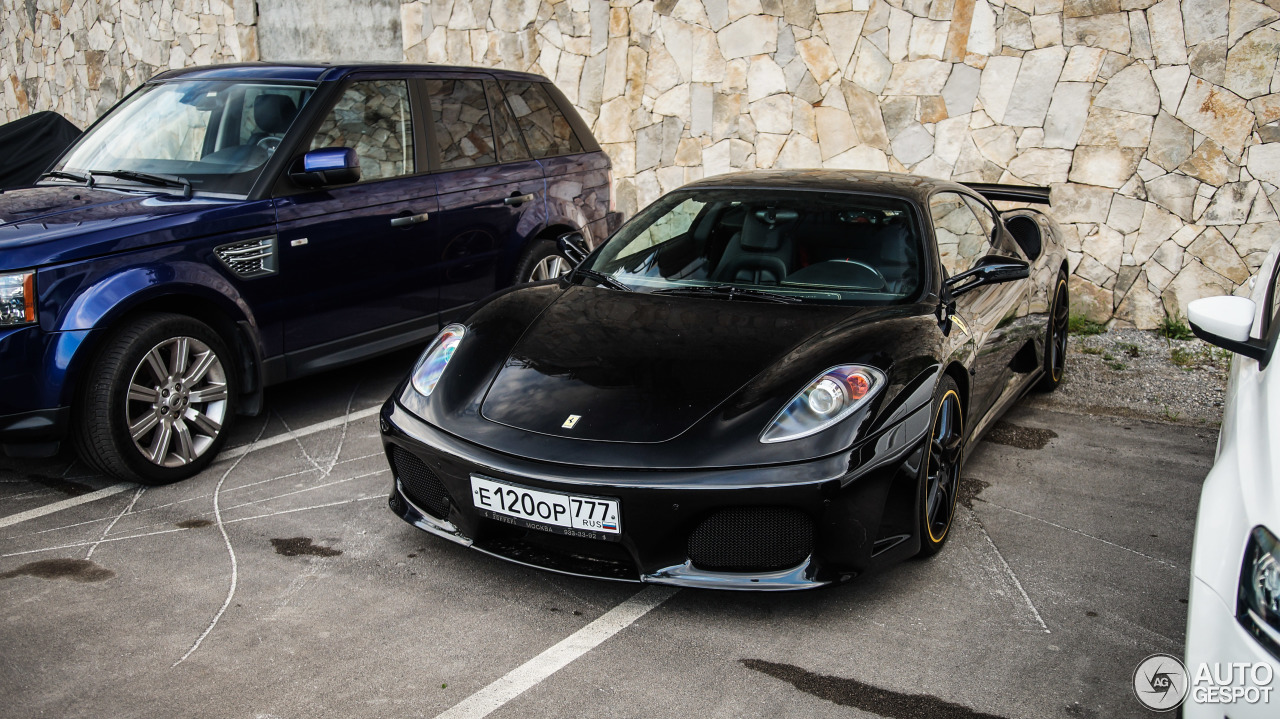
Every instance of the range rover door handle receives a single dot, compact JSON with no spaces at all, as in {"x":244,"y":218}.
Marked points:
{"x":409,"y":220}
{"x":517,"y":200}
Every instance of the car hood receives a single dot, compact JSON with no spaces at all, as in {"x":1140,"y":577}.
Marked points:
{"x":641,"y":368}
{"x":49,"y":224}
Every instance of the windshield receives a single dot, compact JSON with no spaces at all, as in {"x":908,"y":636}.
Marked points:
{"x":217,"y":135}
{"x":818,"y":246}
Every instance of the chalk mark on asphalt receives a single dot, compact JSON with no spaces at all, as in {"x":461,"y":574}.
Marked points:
{"x":334,"y":423}
{"x":73,"y":545}
{"x":531,"y":673}
{"x":123,"y":512}
{"x":1009,"y":571}
{"x":182,"y":501}
{"x":235,"y":568}
{"x":1086,"y":534}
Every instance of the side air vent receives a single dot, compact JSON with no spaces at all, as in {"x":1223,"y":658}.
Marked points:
{"x":250,"y":258}
{"x":744,"y":539}
{"x":421,"y":484}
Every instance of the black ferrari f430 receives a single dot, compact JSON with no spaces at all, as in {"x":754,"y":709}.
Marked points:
{"x":765,"y":380}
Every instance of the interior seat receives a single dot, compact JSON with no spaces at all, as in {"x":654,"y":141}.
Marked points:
{"x":272,"y":114}
{"x":761,"y":252}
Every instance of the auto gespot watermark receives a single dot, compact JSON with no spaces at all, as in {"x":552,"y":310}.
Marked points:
{"x":1162,"y":683}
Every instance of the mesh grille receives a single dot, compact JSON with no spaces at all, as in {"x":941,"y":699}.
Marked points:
{"x":251,"y":258}
{"x":421,"y":485}
{"x":752,"y":539}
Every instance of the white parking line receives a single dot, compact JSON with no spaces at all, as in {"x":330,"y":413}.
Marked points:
{"x":13,"y":519}
{"x":233,"y":453}
{"x":529,"y":674}
{"x":292,"y":435}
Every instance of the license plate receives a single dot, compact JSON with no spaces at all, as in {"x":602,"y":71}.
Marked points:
{"x":576,"y":515}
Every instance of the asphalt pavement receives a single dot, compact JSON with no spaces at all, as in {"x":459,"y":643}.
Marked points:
{"x":278,"y":584}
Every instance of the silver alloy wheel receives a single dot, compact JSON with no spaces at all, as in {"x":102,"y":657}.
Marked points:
{"x":177,"y":401}
{"x":549,"y":268}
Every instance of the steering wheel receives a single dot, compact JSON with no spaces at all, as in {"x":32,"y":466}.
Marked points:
{"x":883,"y":282}
{"x":269,"y":144}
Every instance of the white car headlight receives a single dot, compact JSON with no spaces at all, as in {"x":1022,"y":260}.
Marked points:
{"x":1258,"y":602}
{"x":829,"y":398}
{"x":430,"y":367}
{"x":17,"y":299}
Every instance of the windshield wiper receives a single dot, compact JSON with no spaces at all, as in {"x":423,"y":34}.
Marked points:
{"x":148,"y":178}
{"x":728,"y":292}
{"x":64,"y":175}
{"x":602,"y":278}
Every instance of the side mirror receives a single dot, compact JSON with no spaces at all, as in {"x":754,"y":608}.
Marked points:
{"x":330,"y":166}
{"x":1226,"y":322}
{"x":574,"y":247}
{"x":990,"y":270}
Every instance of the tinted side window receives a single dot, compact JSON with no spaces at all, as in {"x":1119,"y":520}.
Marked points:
{"x":545,"y":128}
{"x":372,"y":117}
{"x":510,"y":146}
{"x":461,"y":118}
{"x":962,"y":239}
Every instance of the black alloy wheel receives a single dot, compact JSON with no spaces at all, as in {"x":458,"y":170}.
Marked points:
{"x":944,"y":455}
{"x":1055,"y":343}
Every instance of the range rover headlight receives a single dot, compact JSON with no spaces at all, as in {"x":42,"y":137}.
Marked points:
{"x":1258,"y":601}
{"x":829,"y":398}
{"x":17,"y":299}
{"x":430,"y":367}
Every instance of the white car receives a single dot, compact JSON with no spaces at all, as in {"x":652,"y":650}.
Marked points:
{"x":1233,"y":619}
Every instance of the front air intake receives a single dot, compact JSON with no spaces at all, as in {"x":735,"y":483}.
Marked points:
{"x":747,"y":539}
{"x":421,"y":485}
{"x":250,"y":258}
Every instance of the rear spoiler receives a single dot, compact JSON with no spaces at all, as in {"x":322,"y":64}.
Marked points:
{"x":1010,"y":193}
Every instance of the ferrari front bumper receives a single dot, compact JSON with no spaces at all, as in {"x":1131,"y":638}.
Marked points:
{"x":827,"y":520}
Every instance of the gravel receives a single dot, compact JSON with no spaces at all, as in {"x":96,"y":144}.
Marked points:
{"x":1138,"y":373}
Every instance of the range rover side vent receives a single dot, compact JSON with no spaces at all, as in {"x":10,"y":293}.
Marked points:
{"x":249,"y":258}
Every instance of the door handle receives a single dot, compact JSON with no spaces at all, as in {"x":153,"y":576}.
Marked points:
{"x":517,"y":200}
{"x":410,"y":220}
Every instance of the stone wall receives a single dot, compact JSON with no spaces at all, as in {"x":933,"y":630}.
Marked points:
{"x":1156,"y":124}
{"x":77,"y":57}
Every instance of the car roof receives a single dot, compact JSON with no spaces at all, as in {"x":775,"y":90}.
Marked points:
{"x":323,"y":72}
{"x":881,"y":183}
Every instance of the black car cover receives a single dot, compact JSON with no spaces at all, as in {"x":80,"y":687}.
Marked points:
{"x":30,"y":145}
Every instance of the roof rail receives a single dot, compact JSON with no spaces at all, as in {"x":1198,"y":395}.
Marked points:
{"x":1010,"y":193}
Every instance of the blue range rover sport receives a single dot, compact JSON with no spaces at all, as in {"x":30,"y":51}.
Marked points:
{"x":226,"y":228}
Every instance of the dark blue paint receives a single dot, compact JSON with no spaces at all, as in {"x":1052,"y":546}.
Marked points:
{"x":356,"y":286}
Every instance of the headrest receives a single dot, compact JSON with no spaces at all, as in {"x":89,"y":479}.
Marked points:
{"x":274,"y":113}
{"x":762,"y":230}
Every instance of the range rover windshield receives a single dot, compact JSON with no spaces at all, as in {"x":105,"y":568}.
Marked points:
{"x":215,"y":135}
{"x":770,"y":245}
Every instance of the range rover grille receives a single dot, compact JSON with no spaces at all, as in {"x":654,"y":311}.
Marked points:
{"x":746,"y":539}
{"x":250,"y":258}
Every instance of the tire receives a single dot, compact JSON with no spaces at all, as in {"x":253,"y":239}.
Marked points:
{"x":541,"y":261}
{"x":940,"y":470}
{"x":158,"y":401}
{"x":1055,"y":342}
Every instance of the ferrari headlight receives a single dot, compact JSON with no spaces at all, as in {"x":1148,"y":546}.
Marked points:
{"x":1258,"y":602}
{"x":832,"y":396}
{"x":430,"y":367}
{"x":17,"y":299}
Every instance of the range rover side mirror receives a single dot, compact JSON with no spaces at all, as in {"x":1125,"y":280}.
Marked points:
{"x":326,"y":167}
{"x":990,"y":270}
{"x":573,"y":246}
{"x":1226,"y":322}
